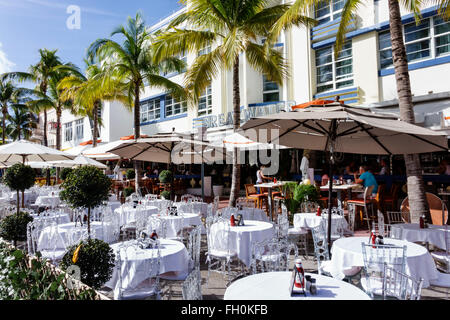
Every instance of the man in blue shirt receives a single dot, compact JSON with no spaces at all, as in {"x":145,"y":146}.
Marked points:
{"x":367,"y":179}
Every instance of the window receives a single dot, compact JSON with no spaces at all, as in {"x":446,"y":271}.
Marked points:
{"x":68,"y":131}
{"x":429,"y":39}
{"x":334,"y":73}
{"x":205,"y":50}
{"x":271,"y":91}
{"x":183,"y":57}
{"x":325,"y":12}
{"x":79,"y":127}
{"x":150,"y":110}
{"x":205,"y":102}
{"x":173,"y":107}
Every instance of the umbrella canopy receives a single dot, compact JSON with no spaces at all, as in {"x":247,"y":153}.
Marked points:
{"x":79,"y":161}
{"x":78,"y":149}
{"x":237,"y":140}
{"x":21,"y":151}
{"x":349,"y":130}
{"x":101,"y":151}
{"x":317,"y":102}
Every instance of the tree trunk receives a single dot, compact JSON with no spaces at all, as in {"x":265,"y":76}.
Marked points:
{"x":416,"y":189}
{"x":137,"y":132}
{"x":18,"y":201}
{"x":4,"y":111}
{"x":95,"y":131}
{"x":236,"y":175}
{"x":58,"y":135}
{"x":23,"y":198}
{"x":89,"y":223}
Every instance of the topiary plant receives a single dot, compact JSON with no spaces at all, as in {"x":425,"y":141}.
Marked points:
{"x":165,"y":176}
{"x":14,"y":227}
{"x":19,"y":177}
{"x":130,"y":174}
{"x":127,"y":191}
{"x":87,"y":187}
{"x":165,"y":195}
{"x":94,"y":257}
{"x":65,"y":173}
{"x":306,"y":192}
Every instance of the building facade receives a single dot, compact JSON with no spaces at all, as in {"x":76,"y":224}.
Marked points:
{"x":362,"y":74}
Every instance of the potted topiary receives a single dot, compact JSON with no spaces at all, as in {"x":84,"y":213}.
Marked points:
{"x":14,"y":227}
{"x":94,"y":257}
{"x":165,"y":176}
{"x":130,"y":174}
{"x":19,"y":177}
{"x":65,"y":173}
{"x":87,"y":187}
{"x":306,"y":192}
{"x":165,"y":194}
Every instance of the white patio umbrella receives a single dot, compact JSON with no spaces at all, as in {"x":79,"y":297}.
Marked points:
{"x":239,"y":141}
{"x":22,"y":151}
{"x":337,"y":127}
{"x":79,"y":161}
{"x":101,"y":151}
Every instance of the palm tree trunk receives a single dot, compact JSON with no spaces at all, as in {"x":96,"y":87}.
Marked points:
{"x":95,"y":131}
{"x":236,"y":175}
{"x":46,"y":144}
{"x":58,"y":135}
{"x":4,"y":111}
{"x":416,"y":189}
{"x":137,"y":131}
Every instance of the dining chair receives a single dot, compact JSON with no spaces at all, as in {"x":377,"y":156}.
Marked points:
{"x":390,"y":200}
{"x":365,"y":204}
{"x":125,"y":260}
{"x":442,"y":258}
{"x":375,"y":256}
{"x":192,"y":286}
{"x":399,"y":285}
{"x":251,"y":193}
{"x":438,"y":209}
{"x":271,"y":255}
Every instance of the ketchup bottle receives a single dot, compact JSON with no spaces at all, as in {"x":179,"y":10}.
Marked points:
{"x":299,"y":281}
{"x":232,"y":221}
{"x":422,"y":222}
{"x":154,"y":236}
{"x":373,"y":236}
{"x":319,"y":212}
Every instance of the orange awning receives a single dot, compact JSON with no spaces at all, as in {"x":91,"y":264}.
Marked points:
{"x":317,"y":102}
{"x":89,"y":142}
{"x":132,"y":137}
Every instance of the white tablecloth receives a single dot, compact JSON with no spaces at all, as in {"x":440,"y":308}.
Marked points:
{"x":275,"y":286}
{"x":311,"y":220}
{"x":412,"y":232}
{"x":197,"y":207}
{"x":242,"y":237}
{"x":60,"y":217}
{"x":176,"y":223}
{"x":254,"y":214}
{"x":114,"y":205}
{"x":68,"y":235}
{"x":128,"y":215}
{"x":48,"y":201}
{"x":347,"y":253}
{"x":29,"y":196}
{"x":174,"y":258}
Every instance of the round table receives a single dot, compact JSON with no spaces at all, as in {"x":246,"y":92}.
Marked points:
{"x":176,"y":223}
{"x":48,"y":201}
{"x":174,"y":259}
{"x":128,"y":214}
{"x":28,"y":196}
{"x":411,"y":232}
{"x":311,"y":220}
{"x":67,"y":235}
{"x":197,"y":207}
{"x":347,"y":253}
{"x":242,"y":237}
{"x":276,"y":285}
{"x":60,"y":217}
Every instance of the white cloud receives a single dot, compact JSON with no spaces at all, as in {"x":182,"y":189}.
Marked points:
{"x":64,"y":6}
{"x":5,"y":64}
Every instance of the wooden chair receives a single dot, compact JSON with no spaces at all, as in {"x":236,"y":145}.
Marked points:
{"x":366,"y":203}
{"x":391,"y":198}
{"x":438,"y":209}
{"x":250,"y":193}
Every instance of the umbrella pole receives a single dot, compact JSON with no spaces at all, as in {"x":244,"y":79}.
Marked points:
{"x":330,"y":189}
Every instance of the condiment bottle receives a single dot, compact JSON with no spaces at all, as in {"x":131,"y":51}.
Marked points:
{"x":319,"y":212}
{"x":232,"y":221}
{"x":154,"y":235}
{"x":422,"y":221}
{"x":299,"y":280}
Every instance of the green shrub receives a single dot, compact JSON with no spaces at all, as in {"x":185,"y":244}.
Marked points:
{"x":95,"y":260}
{"x":65,"y":173}
{"x":87,"y":187}
{"x":24,"y":279}
{"x":306,"y":192}
{"x":128,"y":191}
{"x":14,"y":227}
{"x":19,"y":177}
{"x":130,"y":174}
{"x":165,"y":176}
{"x":165,"y":195}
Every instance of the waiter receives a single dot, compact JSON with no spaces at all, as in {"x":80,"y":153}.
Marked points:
{"x":304,"y":165}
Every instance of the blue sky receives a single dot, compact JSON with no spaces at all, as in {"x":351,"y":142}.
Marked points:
{"x":28,"y":25}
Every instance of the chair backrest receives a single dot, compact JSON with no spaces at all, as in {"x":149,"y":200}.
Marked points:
{"x":218,"y":236}
{"x":380,"y":192}
{"x":250,"y":189}
{"x":375,"y":256}
{"x":381,"y":225}
{"x":282,"y":226}
{"x":192,"y":287}
{"x":400,"y":285}
{"x":368,"y":193}
{"x":320,"y":244}
{"x":157,"y":224}
{"x":438,"y":209}
{"x":193,"y":246}
{"x":268,"y":256}
{"x":395,"y":217}
{"x":243,"y":202}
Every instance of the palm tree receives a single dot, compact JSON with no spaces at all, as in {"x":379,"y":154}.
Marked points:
{"x":6,"y":96}
{"x":132,"y":62}
{"x":235,"y":26}
{"x":87,"y":92}
{"x":21,"y":121}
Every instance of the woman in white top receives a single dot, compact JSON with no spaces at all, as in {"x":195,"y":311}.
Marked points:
{"x":260,"y":176}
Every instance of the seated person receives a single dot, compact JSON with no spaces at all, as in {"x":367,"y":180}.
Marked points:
{"x":384,"y":170}
{"x":367,"y":179}
{"x":351,"y":168}
{"x":325,"y":179}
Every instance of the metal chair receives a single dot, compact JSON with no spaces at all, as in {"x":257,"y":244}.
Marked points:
{"x":399,"y":285}
{"x":192,"y":288}
{"x":375,"y":256}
